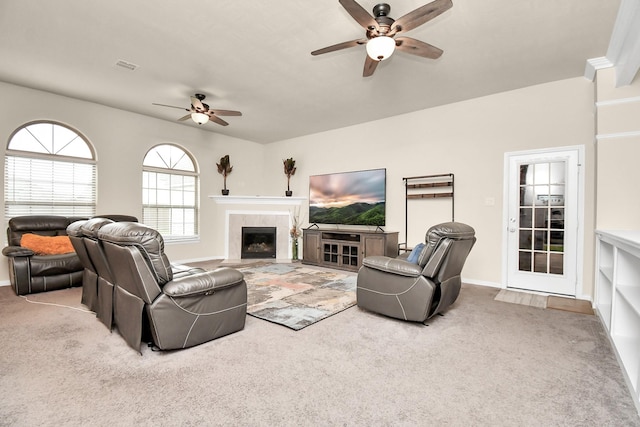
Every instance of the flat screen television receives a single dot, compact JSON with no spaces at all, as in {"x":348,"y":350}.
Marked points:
{"x":349,"y":198}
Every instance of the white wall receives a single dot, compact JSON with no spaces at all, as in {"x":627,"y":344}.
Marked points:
{"x":121,"y":140}
{"x":468,"y":139}
{"x":618,"y":136}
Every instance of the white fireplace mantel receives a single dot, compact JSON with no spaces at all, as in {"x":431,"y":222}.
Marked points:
{"x":257,"y":200}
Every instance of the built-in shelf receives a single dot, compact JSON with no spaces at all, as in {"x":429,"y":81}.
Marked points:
{"x":617,"y":299}
{"x":258,"y":200}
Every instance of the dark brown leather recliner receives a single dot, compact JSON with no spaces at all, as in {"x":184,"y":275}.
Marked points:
{"x":183,"y":310}
{"x":31,"y":273}
{"x":416,"y":291}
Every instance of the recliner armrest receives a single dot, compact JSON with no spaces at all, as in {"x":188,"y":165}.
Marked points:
{"x":203,"y":283}
{"x":14,"y":251}
{"x":393,"y":265}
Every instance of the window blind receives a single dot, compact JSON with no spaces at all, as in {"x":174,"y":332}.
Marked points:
{"x":39,"y":186}
{"x":169,"y":204}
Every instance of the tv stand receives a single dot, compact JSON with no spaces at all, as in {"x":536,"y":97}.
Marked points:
{"x":345,"y":249}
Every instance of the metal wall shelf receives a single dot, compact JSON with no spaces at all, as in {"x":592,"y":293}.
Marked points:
{"x":427,"y":187}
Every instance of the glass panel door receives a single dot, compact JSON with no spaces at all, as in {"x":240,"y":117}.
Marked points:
{"x":542,"y":229}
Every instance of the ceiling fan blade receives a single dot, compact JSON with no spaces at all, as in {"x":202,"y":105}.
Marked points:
{"x":197,"y":104}
{"x":417,"y":47}
{"x":339,"y":46}
{"x":421,"y":15}
{"x":226,"y":112}
{"x":182,"y":119}
{"x":369,"y":66}
{"x":218,"y":120}
{"x":358,"y":13}
{"x":172,"y":106}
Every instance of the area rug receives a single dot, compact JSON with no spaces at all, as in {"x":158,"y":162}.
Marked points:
{"x":295,"y":295}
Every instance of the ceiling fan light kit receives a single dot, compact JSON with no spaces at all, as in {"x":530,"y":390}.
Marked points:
{"x":199,"y":118}
{"x":381,"y":30}
{"x":380,"y":48}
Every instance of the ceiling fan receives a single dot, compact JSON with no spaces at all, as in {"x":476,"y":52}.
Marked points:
{"x":201,"y":113}
{"x":380,"y":38}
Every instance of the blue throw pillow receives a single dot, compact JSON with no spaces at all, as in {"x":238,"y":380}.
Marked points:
{"x":415,"y":253}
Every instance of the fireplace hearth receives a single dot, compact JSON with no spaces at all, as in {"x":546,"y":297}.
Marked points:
{"x":258,"y":242}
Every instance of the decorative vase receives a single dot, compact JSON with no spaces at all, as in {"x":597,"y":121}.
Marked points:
{"x":225,"y":192}
{"x":288,"y":193}
{"x":294,"y":250}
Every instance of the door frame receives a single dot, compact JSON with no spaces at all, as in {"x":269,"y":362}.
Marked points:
{"x":579,"y":292}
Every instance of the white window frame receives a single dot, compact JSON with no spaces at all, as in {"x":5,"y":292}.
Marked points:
{"x":177,"y":216}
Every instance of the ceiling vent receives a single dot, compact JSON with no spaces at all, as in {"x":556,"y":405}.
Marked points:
{"x":128,"y":65}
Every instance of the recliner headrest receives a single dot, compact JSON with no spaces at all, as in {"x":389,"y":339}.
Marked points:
{"x":445,"y":230}
{"x":149,"y":242}
{"x":91,"y":227}
{"x":75,"y":229}
{"x":38,"y":223}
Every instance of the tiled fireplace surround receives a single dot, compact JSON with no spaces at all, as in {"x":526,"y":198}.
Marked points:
{"x":257,"y":211}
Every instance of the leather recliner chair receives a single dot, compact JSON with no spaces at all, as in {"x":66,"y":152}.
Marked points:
{"x":31,"y":273}
{"x":416,"y":291}
{"x":182,"y":310}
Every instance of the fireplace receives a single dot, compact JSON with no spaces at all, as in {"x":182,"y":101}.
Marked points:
{"x":258,"y":242}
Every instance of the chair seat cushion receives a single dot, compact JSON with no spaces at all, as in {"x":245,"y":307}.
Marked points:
{"x":46,"y":245}
{"x":50,"y":265}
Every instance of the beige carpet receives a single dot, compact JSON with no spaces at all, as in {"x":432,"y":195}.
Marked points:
{"x":484,"y":363}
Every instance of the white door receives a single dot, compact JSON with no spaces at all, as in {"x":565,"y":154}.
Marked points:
{"x":542,"y":220}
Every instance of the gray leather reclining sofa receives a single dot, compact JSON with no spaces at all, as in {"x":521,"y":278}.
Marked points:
{"x":147,"y":298}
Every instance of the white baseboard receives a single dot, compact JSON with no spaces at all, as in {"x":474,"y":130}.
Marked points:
{"x":187,"y":261}
{"x":482,"y":283}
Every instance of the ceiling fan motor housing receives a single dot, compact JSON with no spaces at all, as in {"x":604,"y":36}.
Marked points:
{"x":384,"y":22}
{"x":381,"y":9}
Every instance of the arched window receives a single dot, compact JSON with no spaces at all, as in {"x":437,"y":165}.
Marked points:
{"x":49,"y":169}
{"x":170,"y":192}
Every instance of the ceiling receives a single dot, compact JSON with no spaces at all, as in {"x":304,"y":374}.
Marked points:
{"x":254,"y":56}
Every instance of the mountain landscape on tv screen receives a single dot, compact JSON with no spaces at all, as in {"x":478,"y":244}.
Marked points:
{"x":353,"y":214}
